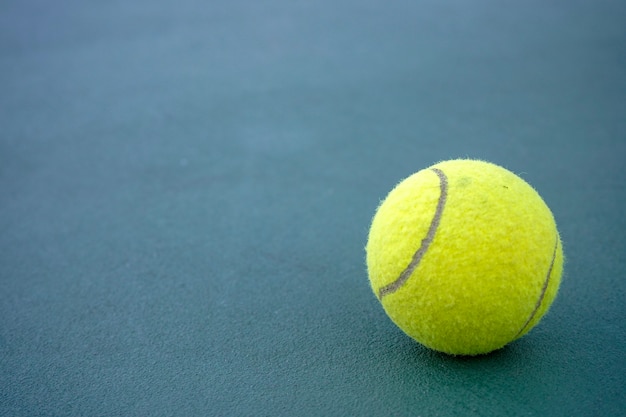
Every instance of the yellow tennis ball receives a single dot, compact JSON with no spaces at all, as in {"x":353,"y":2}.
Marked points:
{"x":464,"y":256}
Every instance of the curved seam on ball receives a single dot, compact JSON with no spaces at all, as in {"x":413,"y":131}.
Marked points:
{"x":430,"y":235}
{"x":543,"y":290}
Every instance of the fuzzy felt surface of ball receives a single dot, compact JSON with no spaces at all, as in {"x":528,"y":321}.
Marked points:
{"x":464,"y":256}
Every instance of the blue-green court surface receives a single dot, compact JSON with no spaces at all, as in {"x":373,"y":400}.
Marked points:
{"x":186,"y":189}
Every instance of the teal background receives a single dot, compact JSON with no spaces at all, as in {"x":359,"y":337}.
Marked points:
{"x":186,"y":189}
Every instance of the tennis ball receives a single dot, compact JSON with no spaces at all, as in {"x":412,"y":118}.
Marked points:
{"x":464,"y":256}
